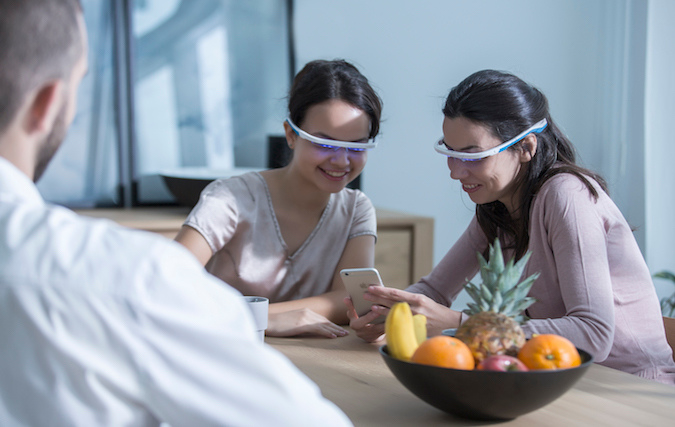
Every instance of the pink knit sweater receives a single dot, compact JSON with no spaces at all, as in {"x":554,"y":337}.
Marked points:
{"x":594,"y":285}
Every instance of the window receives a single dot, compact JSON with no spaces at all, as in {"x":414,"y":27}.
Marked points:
{"x":174,"y":85}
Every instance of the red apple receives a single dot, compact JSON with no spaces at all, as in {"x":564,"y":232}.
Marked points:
{"x":502,"y":362}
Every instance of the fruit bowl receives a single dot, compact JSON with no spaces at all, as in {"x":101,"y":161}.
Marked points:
{"x":485,"y":395}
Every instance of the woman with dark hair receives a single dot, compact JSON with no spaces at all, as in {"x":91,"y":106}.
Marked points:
{"x":286,"y":233}
{"x":512,"y":160}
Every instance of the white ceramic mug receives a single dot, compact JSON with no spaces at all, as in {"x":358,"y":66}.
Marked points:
{"x":259,"y":307}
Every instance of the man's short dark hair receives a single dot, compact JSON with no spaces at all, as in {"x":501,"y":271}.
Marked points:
{"x":39,"y":41}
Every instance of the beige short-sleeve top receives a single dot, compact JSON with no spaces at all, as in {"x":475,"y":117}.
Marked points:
{"x":236,"y":217}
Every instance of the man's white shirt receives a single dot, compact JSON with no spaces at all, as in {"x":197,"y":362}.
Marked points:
{"x":105,"y":326}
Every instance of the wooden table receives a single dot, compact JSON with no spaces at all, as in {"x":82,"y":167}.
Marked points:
{"x":352,"y":374}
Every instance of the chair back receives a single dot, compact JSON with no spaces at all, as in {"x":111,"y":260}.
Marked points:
{"x":669,"y":324}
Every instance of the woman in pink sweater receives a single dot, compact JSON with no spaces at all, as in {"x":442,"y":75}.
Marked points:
{"x":594,"y":285}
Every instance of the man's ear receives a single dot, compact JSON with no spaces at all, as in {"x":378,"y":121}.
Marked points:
{"x":44,"y":107}
{"x":528,"y":148}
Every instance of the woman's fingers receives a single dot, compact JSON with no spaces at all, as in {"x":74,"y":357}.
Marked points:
{"x":383,"y":291}
{"x":303,"y":322}
{"x":389,"y":296}
{"x":362,"y":325}
{"x":356,"y":321}
{"x":381,"y":310}
{"x":328,"y":330}
{"x":351,"y":311}
{"x":365,"y":328}
{"x":371,"y":332}
{"x":371,"y":316}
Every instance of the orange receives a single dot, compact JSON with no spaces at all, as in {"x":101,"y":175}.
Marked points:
{"x":549,"y":351}
{"x":444,"y":351}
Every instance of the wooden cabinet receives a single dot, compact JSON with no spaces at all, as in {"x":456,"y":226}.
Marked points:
{"x":404,"y":249}
{"x":403,"y":254}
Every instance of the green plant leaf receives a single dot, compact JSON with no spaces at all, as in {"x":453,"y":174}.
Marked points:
{"x":667,"y":303}
{"x":665,"y":275}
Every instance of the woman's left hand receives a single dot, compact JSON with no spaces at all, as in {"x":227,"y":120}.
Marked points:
{"x":439,"y":317}
{"x":367,"y":331}
{"x":302,"y":322}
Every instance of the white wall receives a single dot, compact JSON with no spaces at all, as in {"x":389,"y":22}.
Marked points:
{"x":586,"y":56}
{"x":660,"y":142}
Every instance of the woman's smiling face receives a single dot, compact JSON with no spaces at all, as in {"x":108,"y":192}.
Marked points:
{"x":492,"y":178}
{"x":329,"y":169}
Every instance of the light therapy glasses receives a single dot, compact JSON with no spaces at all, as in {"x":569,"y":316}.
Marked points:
{"x":440,"y":146}
{"x":331,"y":144}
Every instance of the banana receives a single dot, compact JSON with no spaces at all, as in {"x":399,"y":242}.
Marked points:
{"x":399,"y":330}
{"x":420,"y":325}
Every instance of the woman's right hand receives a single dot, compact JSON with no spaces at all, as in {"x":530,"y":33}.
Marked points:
{"x":302,"y":321}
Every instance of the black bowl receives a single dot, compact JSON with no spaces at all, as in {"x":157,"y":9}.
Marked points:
{"x":187,"y":184}
{"x":186,"y":191}
{"x":485,"y":395}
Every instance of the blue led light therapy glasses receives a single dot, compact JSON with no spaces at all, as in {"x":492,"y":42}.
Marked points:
{"x":331,"y":144}
{"x":441,"y":148}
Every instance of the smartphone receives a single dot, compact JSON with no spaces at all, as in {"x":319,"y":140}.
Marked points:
{"x":357,"y":281}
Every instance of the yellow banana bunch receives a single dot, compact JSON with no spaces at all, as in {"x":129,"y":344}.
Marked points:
{"x":404,"y":332}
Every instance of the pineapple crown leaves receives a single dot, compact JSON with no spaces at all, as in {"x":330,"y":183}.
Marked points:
{"x":500,"y":290}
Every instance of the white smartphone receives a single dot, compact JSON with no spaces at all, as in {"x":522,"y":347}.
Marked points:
{"x":356,"y":281}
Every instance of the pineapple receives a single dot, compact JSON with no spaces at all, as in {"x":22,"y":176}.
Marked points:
{"x":494,"y":325}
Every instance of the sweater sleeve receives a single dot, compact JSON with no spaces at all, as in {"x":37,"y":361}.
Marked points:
{"x":574,"y":232}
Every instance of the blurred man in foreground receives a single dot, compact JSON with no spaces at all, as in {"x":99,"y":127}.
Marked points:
{"x":101,"y":325}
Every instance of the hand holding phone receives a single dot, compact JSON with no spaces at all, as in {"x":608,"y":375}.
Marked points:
{"x":357,"y":281}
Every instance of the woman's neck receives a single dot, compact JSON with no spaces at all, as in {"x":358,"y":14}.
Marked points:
{"x":289,"y":191}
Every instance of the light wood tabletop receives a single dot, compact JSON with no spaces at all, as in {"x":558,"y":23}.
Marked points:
{"x":352,"y":374}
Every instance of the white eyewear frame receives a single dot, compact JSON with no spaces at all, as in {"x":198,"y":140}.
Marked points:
{"x":441,"y":148}
{"x":331,"y":143}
